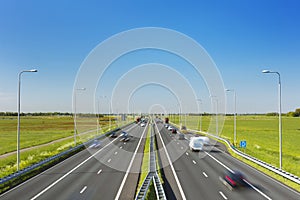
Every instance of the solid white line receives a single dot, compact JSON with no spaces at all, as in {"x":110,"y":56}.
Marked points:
{"x":99,"y":171}
{"x":116,"y":153}
{"x":109,"y":160}
{"x":257,"y":190}
{"x":64,"y":176}
{"x":205,"y":174}
{"x":194,"y":162}
{"x":219,"y":162}
{"x":171,"y":165}
{"x":221,"y":193}
{"x":83,"y":189}
{"x":130,"y":164}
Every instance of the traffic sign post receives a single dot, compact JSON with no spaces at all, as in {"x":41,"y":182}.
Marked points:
{"x":243,"y":144}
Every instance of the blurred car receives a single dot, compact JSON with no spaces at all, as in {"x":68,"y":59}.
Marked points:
{"x":196,"y":144}
{"x":181,"y":136}
{"x":113,"y":135}
{"x":166,"y":125}
{"x":170,"y":128}
{"x":96,"y":144}
{"x":174,"y":130}
{"x":124,"y":137}
{"x":234,"y":179}
{"x":143,"y":124}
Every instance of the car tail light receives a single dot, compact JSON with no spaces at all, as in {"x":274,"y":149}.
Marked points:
{"x":230,"y":180}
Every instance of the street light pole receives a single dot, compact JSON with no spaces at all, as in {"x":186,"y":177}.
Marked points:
{"x":19,"y":109}
{"x":234,"y":120}
{"x":217,"y":102}
{"x":75,"y":118}
{"x":200,"y":116}
{"x":279,"y":110}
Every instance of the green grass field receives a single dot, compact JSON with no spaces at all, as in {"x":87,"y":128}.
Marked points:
{"x":261,"y":134}
{"x":37,"y":130}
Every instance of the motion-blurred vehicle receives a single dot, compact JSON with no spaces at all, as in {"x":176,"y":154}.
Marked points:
{"x":114,"y":134}
{"x":196,"y":144}
{"x":181,"y":136}
{"x":143,"y":124}
{"x":166,"y":125}
{"x":174,"y":130}
{"x":205,"y":140}
{"x":233,"y":179}
{"x":170,"y":128}
{"x":124,"y":137}
{"x":96,"y":144}
{"x":166,"y":120}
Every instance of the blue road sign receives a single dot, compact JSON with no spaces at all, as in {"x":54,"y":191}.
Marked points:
{"x":243,"y":144}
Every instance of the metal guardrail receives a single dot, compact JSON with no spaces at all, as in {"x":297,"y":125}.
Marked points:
{"x":152,"y":175}
{"x":272,"y":168}
{"x":57,"y":156}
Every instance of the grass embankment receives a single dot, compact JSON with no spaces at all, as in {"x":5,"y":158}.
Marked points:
{"x":145,"y":162}
{"x":36,"y":131}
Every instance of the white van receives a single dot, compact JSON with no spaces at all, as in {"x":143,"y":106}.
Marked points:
{"x":196,"y":144}
{"x":205,"y":140}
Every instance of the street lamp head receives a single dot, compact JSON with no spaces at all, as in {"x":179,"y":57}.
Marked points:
{"x":265,"y":71}
{"x":33,"y":70}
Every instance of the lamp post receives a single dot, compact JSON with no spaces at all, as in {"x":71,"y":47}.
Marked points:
{"x":217,"y":102}
{"x":200,"y":116}
{"x":19,"y":108}
{"x":234,"y":120}
{"x":75,"y":127}
{"x":279,"y":110}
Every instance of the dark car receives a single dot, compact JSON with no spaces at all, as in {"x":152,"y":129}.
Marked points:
{"x":113,"y":135}
{"x":174,"y":130}
{"x":234,"y":179}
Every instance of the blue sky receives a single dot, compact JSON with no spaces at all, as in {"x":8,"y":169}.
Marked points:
{"x":240,"y":36}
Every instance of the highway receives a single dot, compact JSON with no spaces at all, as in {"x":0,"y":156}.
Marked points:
{"x":111,"y":172}
{"x":82,"y":176}
{"x":198,"y":173}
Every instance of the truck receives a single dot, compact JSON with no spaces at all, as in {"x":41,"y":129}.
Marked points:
{"x":166,"y":120}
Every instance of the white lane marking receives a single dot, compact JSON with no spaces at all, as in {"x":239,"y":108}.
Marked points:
{"x":177,"y":142}
{"x":109,"y":160}
{"x":99,"y":171}
{"x":121,"y":147}
{"x":204,"y":174}
{"x":171,"y":165}
{"x":124,"y":142}
{"x":130,"y":164}
{"x":64,"y":176}
{"x":181,"y":147}
{"x":221,"y":193}
{"x":83,"y":189}
{"x":256,"y":189}
{"x":187,"y":153}
{"x":219,"y":162}
{"x":194,"y":162}
{"x":116,"y":153}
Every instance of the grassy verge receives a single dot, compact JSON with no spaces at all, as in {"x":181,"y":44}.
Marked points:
{"x":145,"y":163}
